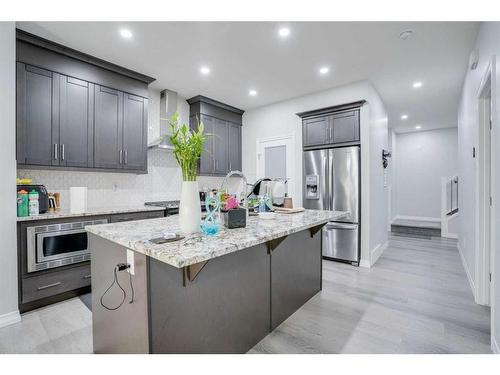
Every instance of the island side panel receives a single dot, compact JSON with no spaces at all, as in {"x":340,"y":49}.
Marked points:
{"x":124,"y":330}
{"x":225,"y":309}
{"x":295,"y":274}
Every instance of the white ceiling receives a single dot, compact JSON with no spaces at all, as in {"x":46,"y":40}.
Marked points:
{"x":251,"y":55}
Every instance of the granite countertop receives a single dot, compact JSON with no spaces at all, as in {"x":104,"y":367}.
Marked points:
{"x":135,"y":235}
{"x":92,"y":211}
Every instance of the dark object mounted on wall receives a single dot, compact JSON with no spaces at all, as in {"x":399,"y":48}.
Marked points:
{"x":385,"y":154}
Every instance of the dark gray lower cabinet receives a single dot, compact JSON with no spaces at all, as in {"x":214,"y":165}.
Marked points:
{"x":37,"y":117}
{"x":76,"y":127}
{"x":108,"y":151}
{"x":135,"y":112}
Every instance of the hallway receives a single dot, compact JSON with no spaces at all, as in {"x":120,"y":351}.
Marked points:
{"x":415,"y":300}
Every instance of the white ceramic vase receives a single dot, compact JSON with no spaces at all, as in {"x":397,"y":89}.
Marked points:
{"x":190,"y":208}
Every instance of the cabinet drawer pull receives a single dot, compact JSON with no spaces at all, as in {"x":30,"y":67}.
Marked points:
{"x":87,"y":276}
{"x":48,"y":286}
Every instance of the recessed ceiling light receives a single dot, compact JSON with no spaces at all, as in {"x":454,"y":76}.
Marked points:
{"x":205,"y":70}
{"x":252,"y":93}
{"x":418,"y":127}
{"x":324,"y":70}
{"x":406,"y":34}
{"x":127,"y":34}
{"x":404,"y":117}
{"x":417,"y":84}
{"x":284,"y":32}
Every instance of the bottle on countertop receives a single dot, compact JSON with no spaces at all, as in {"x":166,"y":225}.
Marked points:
{"x":22,"y":203}
{"x":34,"y":206}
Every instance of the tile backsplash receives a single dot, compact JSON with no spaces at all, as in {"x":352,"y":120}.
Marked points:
{"x":162,"y":182}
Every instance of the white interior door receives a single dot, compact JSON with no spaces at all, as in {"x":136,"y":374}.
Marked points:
{"x":275,"y":159}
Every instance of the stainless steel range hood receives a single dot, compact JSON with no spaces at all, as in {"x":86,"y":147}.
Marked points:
{"x":168,"y":106}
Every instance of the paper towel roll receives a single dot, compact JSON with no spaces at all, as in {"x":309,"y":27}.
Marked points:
{"x":78,"y":200}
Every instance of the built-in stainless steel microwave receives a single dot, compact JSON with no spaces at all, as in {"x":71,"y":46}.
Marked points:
{"x":57,"y":245}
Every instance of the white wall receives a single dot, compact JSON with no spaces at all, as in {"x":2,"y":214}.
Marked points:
{"x":8,"y":251}
{"x":280,"y":118}
{"x":423,"y":158}
{"x":488,"y":45}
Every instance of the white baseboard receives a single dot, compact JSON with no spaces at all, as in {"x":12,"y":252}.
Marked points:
{"x":377,"y":252}
{"x":467,"y":272}
{"x":417,"y":218}
{"x":10,"y":318}
{"x":494,"y":345}
{"x":364,"y":263}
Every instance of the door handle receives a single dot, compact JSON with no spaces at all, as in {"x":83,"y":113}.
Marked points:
{"x":55,"y":151}
{"x":121,"y":156}
{"x":87,"y":276}
{"x":48,"y":286}
{"x":62,"y":152}
{"x":126,"y":156}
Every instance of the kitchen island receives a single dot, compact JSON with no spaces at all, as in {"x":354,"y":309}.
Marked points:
{"x":202,"y":294}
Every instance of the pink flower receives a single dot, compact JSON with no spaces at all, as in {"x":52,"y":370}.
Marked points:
{"x":231,"y":203}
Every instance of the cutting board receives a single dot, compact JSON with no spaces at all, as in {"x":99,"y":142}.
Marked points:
{"x":282,"y":210}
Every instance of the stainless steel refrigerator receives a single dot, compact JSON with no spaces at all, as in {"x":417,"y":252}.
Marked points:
{"x":332,"y":182}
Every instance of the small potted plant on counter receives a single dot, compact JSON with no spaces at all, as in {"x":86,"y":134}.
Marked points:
{"x":234,"y":215}
{"x":187,"y":147}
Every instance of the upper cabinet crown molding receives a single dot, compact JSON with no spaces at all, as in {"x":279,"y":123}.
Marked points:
{"x":211,"y":107}
{"x":328,"y":110}
{"x":70,"y":52}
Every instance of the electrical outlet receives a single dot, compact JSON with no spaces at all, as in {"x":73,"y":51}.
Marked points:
{"x":130,"y":260}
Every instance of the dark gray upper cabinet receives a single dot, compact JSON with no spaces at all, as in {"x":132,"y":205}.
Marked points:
{"x":331,"y":126}
{"x":222,"y":149}
{"x":108,"y":152}
{"x":206,"y":165}
{"x":76,"y":111}
{"x":221,"y":165}
{"x":345,"y":127}
{"x":135,"y":112}
{"x":316,"y":131}
{"x":234,"y":146}
{"x":76,"y":124}
{"x":37,"y":116}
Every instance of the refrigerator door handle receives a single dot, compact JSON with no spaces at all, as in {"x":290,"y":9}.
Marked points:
{"x":341,"y":226}
{"x":326,"y":204}
{"x":330,"y":181}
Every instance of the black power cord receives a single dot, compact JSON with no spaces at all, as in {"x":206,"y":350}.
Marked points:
{"x":119,"y":267}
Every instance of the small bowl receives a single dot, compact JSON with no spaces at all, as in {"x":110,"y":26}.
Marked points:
{"x":267,"y":215}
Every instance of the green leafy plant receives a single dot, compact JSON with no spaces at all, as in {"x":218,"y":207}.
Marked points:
{"x":188,"y":145}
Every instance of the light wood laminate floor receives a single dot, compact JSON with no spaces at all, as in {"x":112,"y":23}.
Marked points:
{"x":416,"y":299}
